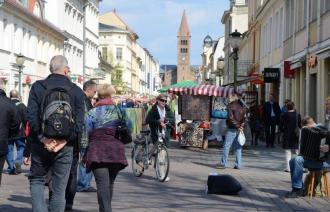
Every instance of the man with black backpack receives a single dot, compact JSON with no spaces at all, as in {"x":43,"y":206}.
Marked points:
{"x":14,"y":167}
{"x":56,"y":116}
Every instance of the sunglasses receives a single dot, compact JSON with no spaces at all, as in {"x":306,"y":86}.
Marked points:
{"x":163,"y":100}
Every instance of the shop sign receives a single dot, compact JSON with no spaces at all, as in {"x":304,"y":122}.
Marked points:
{"x":271,"y":75}
{"x":288,"y":72}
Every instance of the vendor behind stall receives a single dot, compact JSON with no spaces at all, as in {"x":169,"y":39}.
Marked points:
{"x":158,"y":116}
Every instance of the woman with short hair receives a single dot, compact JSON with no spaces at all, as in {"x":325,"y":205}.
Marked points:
{"x":105,"y":154}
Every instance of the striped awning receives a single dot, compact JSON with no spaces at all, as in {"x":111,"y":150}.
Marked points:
{"x":205,"y":90}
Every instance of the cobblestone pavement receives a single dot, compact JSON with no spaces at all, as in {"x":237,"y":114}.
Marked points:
{"x":262,"y":177}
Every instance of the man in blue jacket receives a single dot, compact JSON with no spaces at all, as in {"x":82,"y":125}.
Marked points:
{"x":49,"y":153}
{"x":272,"y":115}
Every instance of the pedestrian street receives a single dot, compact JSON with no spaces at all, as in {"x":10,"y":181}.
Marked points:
{"x":262,"y":177}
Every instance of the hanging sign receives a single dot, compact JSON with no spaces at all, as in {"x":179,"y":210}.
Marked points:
{"x":271,"y":75}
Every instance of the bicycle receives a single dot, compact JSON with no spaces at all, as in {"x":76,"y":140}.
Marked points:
{"x":142,"y":155}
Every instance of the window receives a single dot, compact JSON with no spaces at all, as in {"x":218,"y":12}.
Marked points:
{"x":325,"y":6}
{"x":184,"y":50}
{"x":37,"y":9}
{"x":313,"y":10}
{"x":23,"y":2}
{"x":105,"y":53}
{"x":184,"y":42}
{"x":148,"y":81}
{"x":280,"y":30}
{"x":289,"y":16}
{"x":119,"y":53}
{"x":154,"y":84}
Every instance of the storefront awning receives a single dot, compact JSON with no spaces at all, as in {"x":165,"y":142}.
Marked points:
{"x":205,"y":90}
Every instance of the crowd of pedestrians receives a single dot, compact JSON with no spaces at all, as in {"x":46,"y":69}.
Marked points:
{"x":67,"y":136}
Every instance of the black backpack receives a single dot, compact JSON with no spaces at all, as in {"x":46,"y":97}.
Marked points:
{"x":57,"y":119}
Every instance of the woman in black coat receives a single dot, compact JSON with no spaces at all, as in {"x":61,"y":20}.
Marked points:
{"x":290,"y":126}
{"x":156,"y":120}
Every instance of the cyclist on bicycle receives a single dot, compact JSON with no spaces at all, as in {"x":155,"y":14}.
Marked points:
{"x":158,"y":116}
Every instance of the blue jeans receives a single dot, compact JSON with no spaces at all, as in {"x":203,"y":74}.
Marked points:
{"x":231,"y":139}
{"x":84,"y":178}
{"x":20,"y":145}
{"x":297,"y":166}
{"x":41,"y":162}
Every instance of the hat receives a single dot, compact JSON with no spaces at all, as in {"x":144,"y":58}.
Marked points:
{"x":162,"y":96}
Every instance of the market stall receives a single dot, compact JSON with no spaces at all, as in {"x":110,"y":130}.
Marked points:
{"x":197,"y":105}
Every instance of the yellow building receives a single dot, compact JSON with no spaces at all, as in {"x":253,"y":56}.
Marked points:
{"x":293,"y":36}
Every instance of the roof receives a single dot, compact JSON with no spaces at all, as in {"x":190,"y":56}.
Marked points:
{"x":167,"y":68}
{"x":12,"y":4}
{"x":184,"y":27}
{"x":224,"y":16}
{"x":110,"y":28}
{"x":113,"y":19}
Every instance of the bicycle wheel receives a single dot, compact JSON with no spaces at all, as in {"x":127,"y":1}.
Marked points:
{"x":137,"y":160}
{"x":162,"y":164}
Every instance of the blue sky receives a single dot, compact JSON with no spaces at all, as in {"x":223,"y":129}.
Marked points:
{"x":157,"y":23}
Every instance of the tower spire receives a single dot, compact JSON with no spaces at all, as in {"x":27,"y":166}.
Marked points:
{"x":184,"y":27}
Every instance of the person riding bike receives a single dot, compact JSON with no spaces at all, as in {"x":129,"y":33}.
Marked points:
{"x":158,"y":116}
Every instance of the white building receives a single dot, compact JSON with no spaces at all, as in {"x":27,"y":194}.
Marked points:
{"x":81,"y":47}
{"x":118,"y":45}
{"x":24,"y":30}
{"x":236,"y":18}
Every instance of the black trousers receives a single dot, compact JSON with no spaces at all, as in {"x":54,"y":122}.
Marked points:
{"x":2,"y":163}
{"x":105,"y":179}
{"x":270,"y":132}
{"x":71,"y":188}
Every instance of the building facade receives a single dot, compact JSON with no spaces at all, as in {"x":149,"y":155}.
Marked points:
{"x":138,"y":70}
{"x":236,"y":18}
{"x":24,"y":30}
{"x":78,"y":19}
{"x":292,"y":36}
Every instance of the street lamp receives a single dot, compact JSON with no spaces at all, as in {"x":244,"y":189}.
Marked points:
{"x":20,"y":59}
{"x":235,"y":41}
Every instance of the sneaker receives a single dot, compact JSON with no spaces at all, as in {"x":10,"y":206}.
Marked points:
{"x":236,"y":167}
{"x":219,"y":166}
{"x":12,"y":172}
{"x":295,"y":193}
{"x":167,"y":179}
{"x":18,"y":168}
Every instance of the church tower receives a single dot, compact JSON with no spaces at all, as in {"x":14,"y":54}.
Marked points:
{"x":183,"y":51}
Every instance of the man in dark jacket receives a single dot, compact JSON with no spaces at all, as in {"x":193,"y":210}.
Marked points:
{"x":235,"y":124}
{"x":49,"y":153}
{"x":84,"y":178}
{"x":158,"y":116}
{"x":272,"y":115}
{"x":14,"y":167}
{"x":8,"y":124}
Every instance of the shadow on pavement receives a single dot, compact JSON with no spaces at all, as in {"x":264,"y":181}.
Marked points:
{"x":12,"y":208}
{"x":21,"y":199}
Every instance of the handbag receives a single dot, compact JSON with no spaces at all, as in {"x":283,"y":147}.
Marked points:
{"x":241,"y":138}
{"x":122,"y":132}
